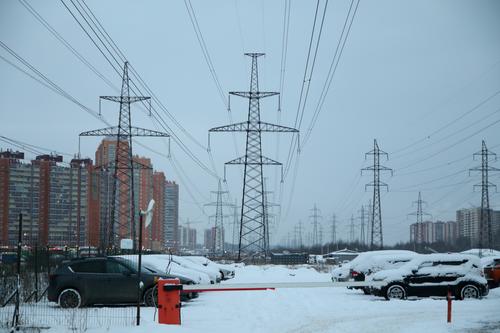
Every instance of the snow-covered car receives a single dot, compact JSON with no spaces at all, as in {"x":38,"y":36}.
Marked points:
{"x":378,"y":262}
{"x":433,"y":275}
{"x":162,"y":263}
{"x":212,"y":272}
{"x":343,"y":271}
{"x":227,"y":271}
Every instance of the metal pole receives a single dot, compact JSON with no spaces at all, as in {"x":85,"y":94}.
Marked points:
{"x":19,"y":244}
{"x":139,"y":293}
{"x":36,"y":271}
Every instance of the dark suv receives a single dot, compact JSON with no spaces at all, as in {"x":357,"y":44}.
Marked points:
{"x":102,"y":280}
{"x":433,"y":275}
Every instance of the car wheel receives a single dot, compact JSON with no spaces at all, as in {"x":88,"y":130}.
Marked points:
{"x":151,"y":297}
{"x":469,"y":291}
{"x":395,"y":291}
{"x":69,"y":298}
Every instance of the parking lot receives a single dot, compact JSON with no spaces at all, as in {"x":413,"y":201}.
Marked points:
{"x":314,"y":310}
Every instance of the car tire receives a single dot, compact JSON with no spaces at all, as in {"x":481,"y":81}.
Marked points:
{"x":151,"y":297}
{"x":395,"y":291}
{"x":469,"y":291}
{"x":69,"y":298}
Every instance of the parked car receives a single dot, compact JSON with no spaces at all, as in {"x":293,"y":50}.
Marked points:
{"x":212,"y":272}
{"x":433,"y":275}
{"x":374,"y":263}
{"x":102,"y":280}
{"x":164,"y":263}
{"x":491,"y":267}
{"x":343,"y":271}
{"x":227,"y":271}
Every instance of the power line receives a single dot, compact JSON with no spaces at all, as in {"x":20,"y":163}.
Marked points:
{"x":45,"y":81}
{"x":333,"y":69}
{"x":461,"y":116}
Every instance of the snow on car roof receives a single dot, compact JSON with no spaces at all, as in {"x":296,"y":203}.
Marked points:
{"x":382,"y":261}
{"x":484,"y":252}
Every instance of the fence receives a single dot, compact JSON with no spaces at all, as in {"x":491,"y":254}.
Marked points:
{"x":23,"y":298}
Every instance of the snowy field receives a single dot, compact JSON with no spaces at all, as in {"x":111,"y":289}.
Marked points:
{"x":316,"y":310}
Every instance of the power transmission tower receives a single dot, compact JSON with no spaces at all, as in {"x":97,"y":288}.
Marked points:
{"x":418,"y":237}
{"x":122,"y":222}
{"x":267,"y":214}
{"x":235,"y":224}
{"x":351,"y":230}
{"x":362,"y":238}
{"x":316,"y":216}
{"x":376,"y":237}
{"x":369,"y":219}
{"x":218,"y":230}
{"x":252,"y":240}
{"x":485,"y":231}
{"x":298,"y":230}
{"x":334,"y":229}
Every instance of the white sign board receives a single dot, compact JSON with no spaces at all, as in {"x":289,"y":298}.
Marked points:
{"x":126,"y":244}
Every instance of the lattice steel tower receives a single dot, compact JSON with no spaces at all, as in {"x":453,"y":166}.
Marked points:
{"x":252,"y":242}
{"x":362,"y":236}
{"x":418,"y":237}
{"x":123,"y":215}
{"x":218,"y":235}
{"x":315,"y":222}
{"x":376,"y":236}
{"x":485,"y":230}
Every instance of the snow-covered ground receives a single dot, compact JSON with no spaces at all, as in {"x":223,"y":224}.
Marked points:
{"x":317,"y":310}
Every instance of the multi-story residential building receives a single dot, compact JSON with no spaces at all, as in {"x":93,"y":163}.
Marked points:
{"x":188,"y":238}
{"x":438,"y":231}
{"x":158,"y":223}
{"x":56,"y":201}
{"x":469,"y":220}
{"x":171,"y":222}
{"x":208,"y":239}
{"x":71,"y":204}
{"x":143,"y":192}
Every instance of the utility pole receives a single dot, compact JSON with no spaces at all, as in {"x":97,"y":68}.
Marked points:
{"x":252,"y":242}
{"x":485,"y":231}
{"x":218,"y":230}
{"x":122,"y":223}
{"x":376,"y":237}
{"x":315,"y":221}
{"x":418,"y":236}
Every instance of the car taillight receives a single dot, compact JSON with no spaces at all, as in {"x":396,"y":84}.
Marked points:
{"x":354,"y":273}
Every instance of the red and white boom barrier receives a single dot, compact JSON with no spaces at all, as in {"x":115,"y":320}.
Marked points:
{"x":169,"y":291}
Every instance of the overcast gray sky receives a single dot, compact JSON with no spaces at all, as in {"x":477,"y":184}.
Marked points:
{"x":409,"y":71}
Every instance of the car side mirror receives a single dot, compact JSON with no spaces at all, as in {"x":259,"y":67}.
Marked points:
{"x":414,"y":270}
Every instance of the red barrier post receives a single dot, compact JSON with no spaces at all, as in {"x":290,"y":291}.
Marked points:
{"x":449,"y":306}
{"x":169,"y":301}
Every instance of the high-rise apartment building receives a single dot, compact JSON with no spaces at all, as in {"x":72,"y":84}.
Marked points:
{"x":438,"y":231}
{"x":469,"y":220}
{"x":71,"y":204}
{"x":56,"y":201}
{"x":171,"y":224}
